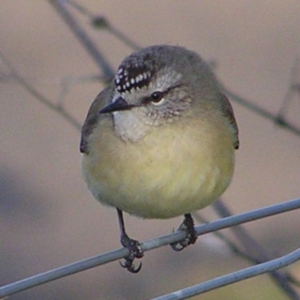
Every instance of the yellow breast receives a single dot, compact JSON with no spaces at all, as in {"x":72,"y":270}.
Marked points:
{"x":165,"y":174}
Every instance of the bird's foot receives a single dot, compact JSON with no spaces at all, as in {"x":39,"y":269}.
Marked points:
{"x":135,"y":251}
{"x":191,"y":237}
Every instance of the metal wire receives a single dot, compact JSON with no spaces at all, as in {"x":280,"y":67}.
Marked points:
{"x":159,"y":242}
{"x":262,"y":268}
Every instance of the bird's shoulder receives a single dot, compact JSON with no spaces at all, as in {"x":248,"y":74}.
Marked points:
{"x":93,"y":116}
{"x":229,"y":114}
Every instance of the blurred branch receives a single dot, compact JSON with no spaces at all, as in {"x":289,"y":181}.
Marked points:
{"x":233,"y":247}
{"x":294,"y":87}
{"x":166,"y":240}
{"x":39,"y":96}
{"x":277,"y":119}
{"x":257,"y":253}
{"x":100,"y":22}
{"x":68,"y":81}
{"x":83,"y":37}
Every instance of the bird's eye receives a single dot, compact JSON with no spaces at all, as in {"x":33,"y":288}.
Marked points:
{"x":157,"y":97}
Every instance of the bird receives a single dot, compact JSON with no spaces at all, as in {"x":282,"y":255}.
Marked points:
{"x":159,"y":141}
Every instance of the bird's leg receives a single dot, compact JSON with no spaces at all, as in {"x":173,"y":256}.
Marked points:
{"x":135,"y":250}
{"x":191,"y":237}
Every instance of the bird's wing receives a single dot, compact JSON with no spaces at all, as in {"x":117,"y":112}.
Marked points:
{"x":93,"y":116}
{"x":228,"y":112}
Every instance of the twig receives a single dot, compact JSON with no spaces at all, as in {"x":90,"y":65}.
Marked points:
{"x":39,"y":96}
{"x":291,"y":90}
{"x":257,"y":252}
{"x":100,"y":22}
{"x":233,"y":247}
{"x":279,"y":120}
{"x":83,"y":37}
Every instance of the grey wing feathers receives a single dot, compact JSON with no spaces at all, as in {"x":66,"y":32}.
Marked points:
{"x":230,"y":115}
{"x":93,"y":116}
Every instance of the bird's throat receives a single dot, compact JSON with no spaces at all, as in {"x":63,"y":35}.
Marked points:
{"x":129,"y":126}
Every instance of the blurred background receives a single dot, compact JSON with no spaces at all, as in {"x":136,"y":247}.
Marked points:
{"x":47,"y":216}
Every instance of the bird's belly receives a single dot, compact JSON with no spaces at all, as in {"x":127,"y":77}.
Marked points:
{"x":162,"y":181}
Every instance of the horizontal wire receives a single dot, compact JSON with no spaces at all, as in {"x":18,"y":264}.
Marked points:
{"x":95,"y":261}
{"x":234,"y":277}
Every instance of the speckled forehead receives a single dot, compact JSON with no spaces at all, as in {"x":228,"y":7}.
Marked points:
{"x":133,"y":75}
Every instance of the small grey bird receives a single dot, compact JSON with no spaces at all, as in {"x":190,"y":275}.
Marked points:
{"x":159,"y":140}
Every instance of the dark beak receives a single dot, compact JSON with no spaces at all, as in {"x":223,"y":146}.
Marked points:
{"x":119,"y":104}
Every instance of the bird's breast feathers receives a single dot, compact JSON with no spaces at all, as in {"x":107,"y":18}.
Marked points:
{"x":164,"y":175}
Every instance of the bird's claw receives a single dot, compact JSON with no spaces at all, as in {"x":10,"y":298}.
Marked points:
{"x":189,"y":240}
{"x":129,"y":265}
{"x":135,"y":251}
{"x":191,"y":237}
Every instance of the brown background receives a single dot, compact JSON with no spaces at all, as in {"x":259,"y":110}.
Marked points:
{"x":47,"y":216}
